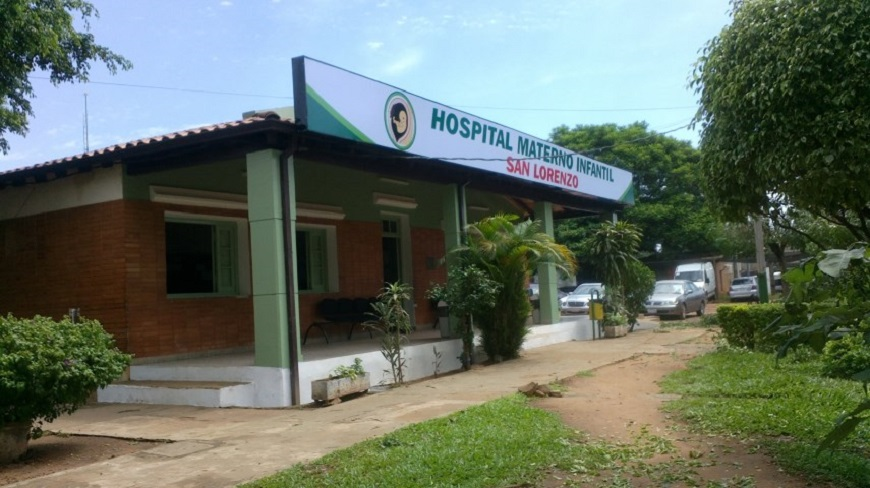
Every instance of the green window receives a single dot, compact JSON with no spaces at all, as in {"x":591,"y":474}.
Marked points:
{"x":312,"y":260}
{"x":201,"y":258}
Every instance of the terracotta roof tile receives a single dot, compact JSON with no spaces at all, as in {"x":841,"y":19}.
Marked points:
{"x":257,"y":118}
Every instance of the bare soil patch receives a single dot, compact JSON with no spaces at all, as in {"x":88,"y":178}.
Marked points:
{"x":621,"y":402}
{"x":53,"y":453}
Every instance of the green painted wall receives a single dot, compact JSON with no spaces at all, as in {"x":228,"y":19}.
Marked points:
{"x":352,"y":190}
{"x":222,"y":176}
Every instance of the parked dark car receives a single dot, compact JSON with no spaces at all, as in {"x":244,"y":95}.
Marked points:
{"x":676,"y":298}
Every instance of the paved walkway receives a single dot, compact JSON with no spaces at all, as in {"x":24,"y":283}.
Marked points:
{"x":225,"y":447}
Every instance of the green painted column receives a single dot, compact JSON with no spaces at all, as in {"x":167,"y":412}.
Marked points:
{"x":265,"y":217}
{"x":548,"y":277}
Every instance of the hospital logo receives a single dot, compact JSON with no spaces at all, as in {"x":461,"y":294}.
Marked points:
{"x":400,"y":121}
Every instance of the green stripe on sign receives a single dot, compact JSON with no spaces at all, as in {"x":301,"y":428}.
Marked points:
{"x":322,"y":117}
{"x":628,"y":195}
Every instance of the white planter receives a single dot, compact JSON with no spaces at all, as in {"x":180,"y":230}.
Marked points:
{"x":332,"y":389}
{"x":612,"y":331}
{"x":13,"y":441}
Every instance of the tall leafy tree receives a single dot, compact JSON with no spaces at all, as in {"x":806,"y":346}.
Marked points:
{"x":613,"y":249}
{"x":670,"y":209}
{"x":509,"y":252}
{"x":785,"y":111}
{"x":39,"y":35}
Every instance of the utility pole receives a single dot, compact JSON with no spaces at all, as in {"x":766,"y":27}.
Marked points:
{"x":85,"y":135}
{"x":760,"y":262}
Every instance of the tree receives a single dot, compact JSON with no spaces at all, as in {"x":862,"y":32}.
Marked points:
{"x":627,"y":282}
{"x":469,"y":291}
{"x":39,"y":35}
{"x":670,"y":209}
{"x":785,"y":111}
{"x":509,"y":253}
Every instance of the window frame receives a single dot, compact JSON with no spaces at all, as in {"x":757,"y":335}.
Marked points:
{"x":328,"y":257}
{"x":237,"y":261}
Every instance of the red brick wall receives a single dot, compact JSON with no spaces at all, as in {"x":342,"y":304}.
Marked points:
{"x":360,"y":264}
{"x":428,"y":250}
{"x":360,"y":261}
{"x":67,"y":258}
{"x":159,"y":325}
{"x":109,"y":260}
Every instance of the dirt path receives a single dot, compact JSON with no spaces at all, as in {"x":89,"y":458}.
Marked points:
{"x":620,"y":404}
{"x":54,"y":453}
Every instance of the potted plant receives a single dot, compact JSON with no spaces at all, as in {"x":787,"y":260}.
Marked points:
{"x":49,"y":368}
{"x":342,"y":381}
{"x":615,"y":324}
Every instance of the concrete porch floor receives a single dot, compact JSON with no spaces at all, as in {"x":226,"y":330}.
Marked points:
{"x":233,"y":380}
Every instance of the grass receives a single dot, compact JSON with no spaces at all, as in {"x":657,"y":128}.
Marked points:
{"x":506,"y":442}
{"x":503,"y":442}
{"x":786,"y":407}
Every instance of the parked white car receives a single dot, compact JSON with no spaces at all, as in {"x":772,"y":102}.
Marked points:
{"x":578,"y":300}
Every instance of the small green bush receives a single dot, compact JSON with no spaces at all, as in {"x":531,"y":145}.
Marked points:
{"x":846,"y":356}
{"x":353,"y":371}
{"x":49,"y":368}
{"x":744,"y":325}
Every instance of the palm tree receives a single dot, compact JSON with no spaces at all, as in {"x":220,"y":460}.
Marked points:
{"x":613,"y":248}
{"x":509,"y":253}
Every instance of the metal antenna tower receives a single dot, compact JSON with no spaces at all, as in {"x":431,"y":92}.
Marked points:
{"x":85,"y":136}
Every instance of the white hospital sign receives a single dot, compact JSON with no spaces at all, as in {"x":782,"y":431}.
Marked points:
{"x":333,"y":101}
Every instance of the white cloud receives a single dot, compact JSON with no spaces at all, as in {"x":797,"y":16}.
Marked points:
{"x":404,"y":63}
{"x":374,"y":45}
{"x":226,"y":3}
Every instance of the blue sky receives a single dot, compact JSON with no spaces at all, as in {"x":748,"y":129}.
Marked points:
{"x":529,"y":65}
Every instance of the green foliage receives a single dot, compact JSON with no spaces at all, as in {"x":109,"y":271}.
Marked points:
{"x":40,"y":35}
{"x":509,"y":252}
{"x":613,"y":248}
{"x":469,"y":291}
{"x":749,"y":325}
{"x":830,"y":296}
{"x":395,"y":323}
{"x":785,"y":110}
{"x":749,"y":395}
{"x":847,"y":356}
{"x":501,"y":443}
{"x":49,"y":368}
{"x":353,"y":371}
{"x":638,"y":284}
{"x":669,"y":209}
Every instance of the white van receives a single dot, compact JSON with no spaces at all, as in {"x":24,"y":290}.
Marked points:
{"x":701,"y":274}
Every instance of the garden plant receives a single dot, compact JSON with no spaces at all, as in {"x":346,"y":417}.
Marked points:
{"x":49,"y":368}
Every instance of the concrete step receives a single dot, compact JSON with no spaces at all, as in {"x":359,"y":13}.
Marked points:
{"x":197,"y":393}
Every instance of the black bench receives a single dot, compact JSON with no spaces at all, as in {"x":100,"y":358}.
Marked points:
{"x":339,"y":311}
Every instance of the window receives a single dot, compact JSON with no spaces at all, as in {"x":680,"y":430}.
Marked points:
{"x":392,"y":248}
{"x":201,"y":258}
{"x":312,"y":260}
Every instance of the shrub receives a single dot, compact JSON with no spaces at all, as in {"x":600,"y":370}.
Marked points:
{"x":744,"y":325}
{"x":353,"y":371}
{"x":847,"y":356}
{"x":49,"y":368}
